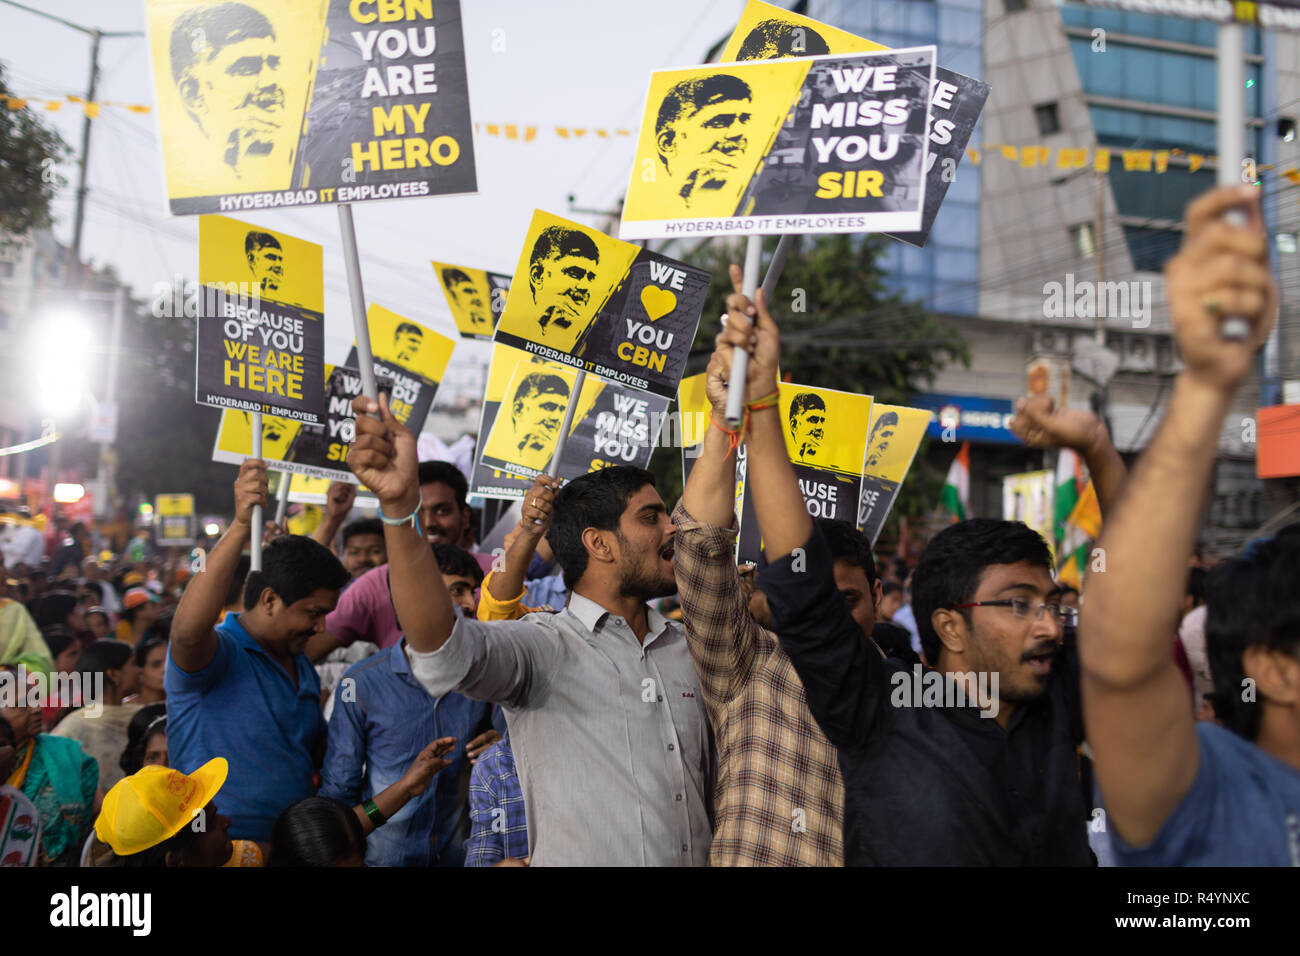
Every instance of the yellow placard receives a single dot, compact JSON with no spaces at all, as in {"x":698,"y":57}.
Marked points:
{"x":767,"y":32}
{"x":273,"y":266}
{"x":232,"y":81}
{"x":895,"y":435}
{"x":705,"y":133}
{"x":476,"y":297}
{"x":565,"y":275}
{"x":825,"y":428}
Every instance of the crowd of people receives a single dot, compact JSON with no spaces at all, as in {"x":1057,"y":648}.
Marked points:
{"x":610,"y":688}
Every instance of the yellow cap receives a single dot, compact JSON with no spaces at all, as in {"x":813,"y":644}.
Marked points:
{"x":151,"y":806}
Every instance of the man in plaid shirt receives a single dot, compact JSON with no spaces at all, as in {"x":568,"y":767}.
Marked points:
{"x":779,"y":799}
{"x":498,"y":829}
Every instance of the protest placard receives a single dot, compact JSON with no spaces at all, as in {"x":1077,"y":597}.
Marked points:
{"x":320,"y":451}
{"x":1030,"y":496}
{"x":892,"y":441}
{"x":826,"y":439}
{"x":523,"y":411}
{"x":173,"y":517}
{"x":261,"y":327}
{"x":409,"y":361}
{"x":768,"y":32}
{"x":476,"y":298}
{"x":276,"y":103}
{"x":608,"y":307}
{"x":706,"y":161}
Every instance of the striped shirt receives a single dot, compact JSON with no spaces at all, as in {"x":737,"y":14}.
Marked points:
{"x":779,"y":799}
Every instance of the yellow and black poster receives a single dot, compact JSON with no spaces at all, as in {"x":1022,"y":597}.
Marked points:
{"x":523,"y":412}
{"x":712,"y":153}
{"x":173,"y":517}
{"x":892,"y":441}
{"x":277,"y":103}
{"x":826,"y":440}
{"x":410,"y":361}
{"x":606,"y":306}
{"x":476,"y":297}
{"x":768,"y":32}
{"x":261,"y":328}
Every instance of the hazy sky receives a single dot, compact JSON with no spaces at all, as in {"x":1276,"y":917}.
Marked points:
{"x":565,"y":63}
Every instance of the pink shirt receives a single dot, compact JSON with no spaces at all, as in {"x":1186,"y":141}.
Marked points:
{"x":365,"y":610}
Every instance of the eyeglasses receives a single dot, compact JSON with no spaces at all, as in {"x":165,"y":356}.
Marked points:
{"x":1069,"y":616}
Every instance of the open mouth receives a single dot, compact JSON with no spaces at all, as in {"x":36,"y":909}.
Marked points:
{"x":1040,"y":662}
{"x":666,"y":552}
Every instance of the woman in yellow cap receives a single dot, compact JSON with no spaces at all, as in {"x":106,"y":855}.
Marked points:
{"x":162,"y":817}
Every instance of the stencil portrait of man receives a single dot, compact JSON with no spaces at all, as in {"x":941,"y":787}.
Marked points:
{"x":536,"y":416}
{"x":226,"y":66}
{"x":266,"y":262}
{"x":561,"y":273}
{"x":808,"y":426}
{"x":701,"y":135}
{"x":468,"y":297}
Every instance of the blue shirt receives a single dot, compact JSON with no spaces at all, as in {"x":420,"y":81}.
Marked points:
{"x":243,"y":706}
{"x":381,"y":721}
{"x":498,"y":827}
{"x":1243,"y":810}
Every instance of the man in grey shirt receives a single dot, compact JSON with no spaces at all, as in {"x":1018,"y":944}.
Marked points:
{"x":605,"y":714}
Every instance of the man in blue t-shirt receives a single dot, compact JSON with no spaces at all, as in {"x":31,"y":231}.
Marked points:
{"x":244,"y":690}
{"x":1177,"y":793}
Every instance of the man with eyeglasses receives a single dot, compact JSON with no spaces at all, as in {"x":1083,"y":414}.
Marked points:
{"x":933,"y":779}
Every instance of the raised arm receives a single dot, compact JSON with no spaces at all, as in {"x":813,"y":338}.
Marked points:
{"x":840,"y":667}
{"x":507,"y":583}
{"x":1040,"y":424}
{"x":722,"y":634}
{"x":384,"y":457}
{"x":193,"y":641}
{"x":1139,"y":721}
{"x":338,"y":503}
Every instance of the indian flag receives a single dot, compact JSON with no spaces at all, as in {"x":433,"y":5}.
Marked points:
{"x":956,"y":487}
{"x":1082,"y":526}
{"x":1069,"y":479}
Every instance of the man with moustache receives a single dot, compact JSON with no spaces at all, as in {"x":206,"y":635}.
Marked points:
{"x":807,"y":425}
{"x":561,"y":270}
{"x":468,"y":297}
{"x":244,"y":690}
{"x":990,"y":781}
{"x":536,"y":414}
{"x":700,"y":134}
{"x":226,"y":67}
{"x":266,"y":262}
{"x":603,"y":692}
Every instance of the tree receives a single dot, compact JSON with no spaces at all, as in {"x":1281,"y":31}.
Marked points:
{"x":842,"y":329}
{"x":29,"y":153}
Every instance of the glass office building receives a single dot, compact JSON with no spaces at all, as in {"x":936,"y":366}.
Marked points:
{"x":945,"y":274}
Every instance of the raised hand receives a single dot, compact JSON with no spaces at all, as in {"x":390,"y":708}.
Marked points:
{"x":339,"y":499}
{"x":747,"y":325}
{"x":426,"y":765}
{"x":538,"y":505}
{"x":1040,"y":424}
{"x":384,"y":456}
{"x":250,"y":489}
{"x":1221,"y":271}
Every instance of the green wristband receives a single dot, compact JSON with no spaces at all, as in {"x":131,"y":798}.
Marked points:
{"x":372,"y":811}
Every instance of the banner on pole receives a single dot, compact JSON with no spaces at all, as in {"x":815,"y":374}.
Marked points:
{"x":609,"y":307}
{"x":826,"y":440}
{"x":173,"y":517}
{"x":261,"y":327}
{"x":476,"y":298}
{"x":276,"y":103}
{"x":409,"y":359}
{"x":768,"y":32}
{"x":523,"y":411}
{"x":892,"y":441}
{"x":707,"y":161}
